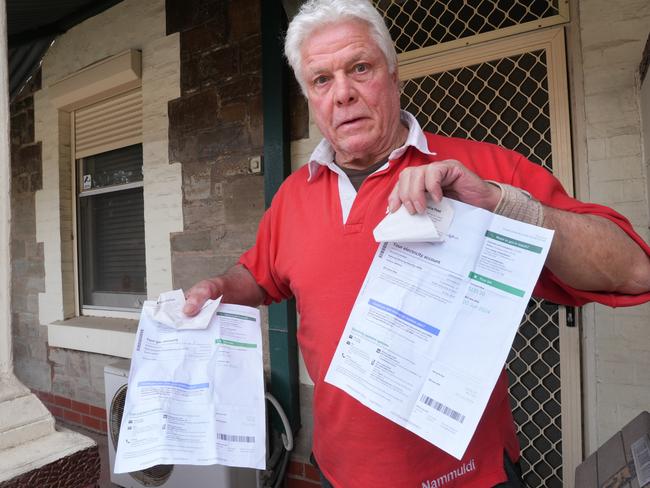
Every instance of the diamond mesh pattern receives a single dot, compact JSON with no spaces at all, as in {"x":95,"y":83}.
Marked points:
{"x":534,"y":371}
{"x":414,"y":24}
{"x":506,"y":102}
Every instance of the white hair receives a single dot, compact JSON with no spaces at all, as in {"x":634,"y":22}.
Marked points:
{"x":316,"y":13}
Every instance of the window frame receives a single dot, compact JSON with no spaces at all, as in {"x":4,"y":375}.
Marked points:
{"x":105,"y":332}
{"x":79,"y":193}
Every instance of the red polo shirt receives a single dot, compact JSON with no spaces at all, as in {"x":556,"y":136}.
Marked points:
{"x":304,"y":249}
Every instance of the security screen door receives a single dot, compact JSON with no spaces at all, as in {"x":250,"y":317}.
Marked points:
{"x":473,"y":71}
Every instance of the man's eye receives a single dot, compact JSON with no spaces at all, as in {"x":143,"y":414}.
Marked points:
{"x":321,"y":80}
{"x":360,"y":68}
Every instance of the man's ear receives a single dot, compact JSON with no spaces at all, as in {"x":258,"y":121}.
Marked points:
{"x":395,"y":77}
{"x":396,"y":80}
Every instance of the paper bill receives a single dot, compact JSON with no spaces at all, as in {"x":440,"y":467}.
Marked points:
{"x":433,"y":324}
{"x":195,"y":396}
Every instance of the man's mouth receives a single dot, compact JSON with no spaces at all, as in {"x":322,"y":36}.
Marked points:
{"x":351,"y":121}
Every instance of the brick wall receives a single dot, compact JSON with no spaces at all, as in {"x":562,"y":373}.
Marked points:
{"x":215,"y":127}
{"x":613,"y":35}
{"x":27,"y":271}
{"x":43,"y":270}
{"x":301,"y":475}
{"x":74,"y":412}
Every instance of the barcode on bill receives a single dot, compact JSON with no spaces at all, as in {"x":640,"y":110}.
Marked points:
{"x":236,"y":438}
{"x":641,"y":455}
{"x":444,"y":409}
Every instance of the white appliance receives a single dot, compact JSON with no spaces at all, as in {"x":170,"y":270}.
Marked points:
{"x":166,"y":476}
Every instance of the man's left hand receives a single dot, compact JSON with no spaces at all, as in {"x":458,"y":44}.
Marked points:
{"x":448,"y":177}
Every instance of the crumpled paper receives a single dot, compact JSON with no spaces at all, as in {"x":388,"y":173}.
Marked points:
{"x":430,"y":226}
{"x":168,"y":310}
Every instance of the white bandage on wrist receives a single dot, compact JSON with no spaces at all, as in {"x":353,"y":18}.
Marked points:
{"x":518,"y":204}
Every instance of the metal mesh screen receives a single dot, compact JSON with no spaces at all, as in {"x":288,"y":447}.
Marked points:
{"x":507,"y":102}
{"x":534,"y":371}
{"x":414,"y":24}
{"x":504,"y":102}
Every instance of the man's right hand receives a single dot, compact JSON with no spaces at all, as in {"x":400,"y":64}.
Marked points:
{"x":237,"y":285}
{"x":196,"y":296}
{"x":448,"y":177}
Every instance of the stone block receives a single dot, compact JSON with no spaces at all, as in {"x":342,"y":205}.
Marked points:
{"x":620,"y":123}
{"x":35,"y":249}
{"x":251,"y":54}
{"x":629,"y":395}
{"x":230,"y":165}
{"x":33,"y":373}
{"x":182,"y":147}
{"x":221,"y":140}
{"x":241,"y":88}
{"x":257,"y":122}
{"x":77,"y":365}
{"x":21,"y":184}
{"x":244,"y":207}
{"x":605,"y":107}
{"x":204,"y":37}
{"x":17,"y":249}
{"x":25,"y":325}
{"x":244,"y":19}
{"x":38,"y":349}
{"x":205,"y":214}
{"x":24,"y":220}
{"x":36,"y":181}
{"x":57,"y":356}
{"x":196,"y":181}
{"x":192,"y":113}
{"x":211,"y":68}
{"x":217,"y":234}
{"x":298,"y":112}
{"x":233,"y":112}
{"x":18,"y":124}
{"x":618,"y":349}
{"x":611,"y":79}
{"x":20,"y":348}
{"x":29,"y":160}
{"x":188,"y":269}
{"x":624,"y":145}
{"x":183,"y":15}
{"x":618,"y":169}
{"x":597,"y":149}
{"x":191,"y":241}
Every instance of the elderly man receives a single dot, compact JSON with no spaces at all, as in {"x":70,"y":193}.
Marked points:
{"x":315,"y":243}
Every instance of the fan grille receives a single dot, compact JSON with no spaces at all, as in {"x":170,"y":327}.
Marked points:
{"x":153,"y":476}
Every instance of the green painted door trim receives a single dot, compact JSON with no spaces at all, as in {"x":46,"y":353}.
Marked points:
{"x":277,"y":166}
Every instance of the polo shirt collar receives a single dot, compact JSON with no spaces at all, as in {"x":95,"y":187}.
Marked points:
{"x":323,"y":155}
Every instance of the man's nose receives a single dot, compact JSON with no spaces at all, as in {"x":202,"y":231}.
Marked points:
{"x":345,"y":92}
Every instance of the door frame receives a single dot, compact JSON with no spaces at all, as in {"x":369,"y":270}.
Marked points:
{"x":552,"y":41}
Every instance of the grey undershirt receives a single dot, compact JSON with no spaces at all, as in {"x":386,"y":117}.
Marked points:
{"x":358,"y":176}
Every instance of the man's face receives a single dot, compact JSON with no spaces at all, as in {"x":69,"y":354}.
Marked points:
{"x":353,"y":98}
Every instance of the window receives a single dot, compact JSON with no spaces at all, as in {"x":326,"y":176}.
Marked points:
{"x":99,"y":110}
{"x":111,"y":269}
{"x":111,"y":245}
